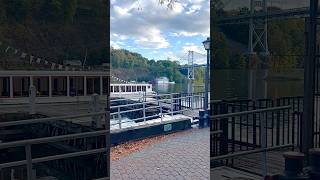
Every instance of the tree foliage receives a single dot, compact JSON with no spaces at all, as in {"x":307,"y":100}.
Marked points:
{"x":130,"y":61}
{"x":57,"y":29}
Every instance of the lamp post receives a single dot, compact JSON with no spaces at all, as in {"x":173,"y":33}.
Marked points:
{"x":206,"y":45}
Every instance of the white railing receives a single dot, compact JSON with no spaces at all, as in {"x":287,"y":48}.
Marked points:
{"x":160,"y":103}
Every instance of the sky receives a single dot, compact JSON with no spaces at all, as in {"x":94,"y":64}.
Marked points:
{"x":156,"y":32}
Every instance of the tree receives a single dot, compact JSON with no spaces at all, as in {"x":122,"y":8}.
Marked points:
{"x":16,"y":9}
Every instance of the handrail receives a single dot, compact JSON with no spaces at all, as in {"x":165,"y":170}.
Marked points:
{"x":41,"y":120}
{"x":155,"y":101}
{"x":54,"y":157}
{"x":220,"y":116}
{"x":249,"y":152}
{"x":216,"y":132}
{"x":52,"y":139}
{"x":131,"y":120}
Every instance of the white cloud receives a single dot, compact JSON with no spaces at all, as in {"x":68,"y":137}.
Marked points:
{"x":145,"y":21}
{"x":115,"y":45}
{"x":152,"y":39}
{"x":121,"y":11}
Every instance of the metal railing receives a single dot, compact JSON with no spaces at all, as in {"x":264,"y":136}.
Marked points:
{"x":161,"y":105}
{"x":235,"y":133}
{"x":27,"y":144}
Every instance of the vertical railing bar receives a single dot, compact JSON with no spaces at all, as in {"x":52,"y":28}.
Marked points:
{"x":247,"y":124}
{"x":263,"y":143}
{"x":144,"y":111}
{"x":272,"y":124}
{"x":240,"y":127}
{"x":161,"y":111}
{"x":171,"y":96}
{"x":119,"y":117}
{"x":283,"y":121}
{"x":29,"y":161}
{"x":254,"y":124}
{"x":288,"y":115}
{"x":278,"y":124}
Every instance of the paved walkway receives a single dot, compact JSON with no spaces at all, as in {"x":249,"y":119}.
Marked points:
{"x":184,"y":156}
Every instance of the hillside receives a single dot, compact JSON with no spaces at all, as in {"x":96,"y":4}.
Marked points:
{"x":132,"y":66}
{"x":56,"y":29}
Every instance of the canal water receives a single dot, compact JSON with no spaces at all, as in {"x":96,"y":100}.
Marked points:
{"x":235,"y":84}
{"x":269,"y":83}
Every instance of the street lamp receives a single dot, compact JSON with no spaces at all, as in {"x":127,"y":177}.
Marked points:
{"x":206,"y":45}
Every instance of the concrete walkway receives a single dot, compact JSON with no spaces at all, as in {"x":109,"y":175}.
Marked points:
{"x":184,"y":156}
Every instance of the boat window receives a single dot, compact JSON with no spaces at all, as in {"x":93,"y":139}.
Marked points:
{"x":134,"y":88}
{"x":123,"y":89}
{"x":139,"y":88}
{"x":144,"y":88}
{"x":111,"y":88}
{"x":128,"y":88}
{"x":116,"y":88}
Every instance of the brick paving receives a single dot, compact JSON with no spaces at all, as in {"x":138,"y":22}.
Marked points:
{"x":184,"y":156}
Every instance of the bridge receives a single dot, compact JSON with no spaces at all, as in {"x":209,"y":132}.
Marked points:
{"x":273,"y":15}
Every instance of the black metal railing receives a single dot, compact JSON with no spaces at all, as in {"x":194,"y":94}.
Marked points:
{"x":241,"y":123}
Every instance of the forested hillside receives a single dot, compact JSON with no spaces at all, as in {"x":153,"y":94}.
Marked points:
{"x":133,"y":66}
{"x":56,"y":29}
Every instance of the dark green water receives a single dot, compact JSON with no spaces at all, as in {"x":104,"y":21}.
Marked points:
{"x":269,"y":84}
{"x":235,"y":84}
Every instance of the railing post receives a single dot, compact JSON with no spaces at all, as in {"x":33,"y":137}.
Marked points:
{"x":144,"y":111}
{"x":29,"y":161}
{"x":192,"y":100}
{"x":171,"y":96}
{"x":119,"y":117}
{"x":161,"y":111}
{"x":95,"y":107}
{"x":32,"y":99}
{"x":263,"y":143}
{"x":224,"y":128}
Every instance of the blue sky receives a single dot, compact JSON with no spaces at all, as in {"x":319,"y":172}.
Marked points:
{"x":156,"y":32}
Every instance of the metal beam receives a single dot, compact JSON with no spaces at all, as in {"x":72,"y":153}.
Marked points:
{"x":296,"y":13}
{"x":309,"y":77}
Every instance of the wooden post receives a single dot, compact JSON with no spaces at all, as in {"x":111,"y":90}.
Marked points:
{"x":68,"y":86}
{"x":50,"y":86}
{"x":32,"y":99}
{"x":11,"y":86}
{"x":95,"y":107}
{"x":101,"y":85}
{"x":84,"y":85}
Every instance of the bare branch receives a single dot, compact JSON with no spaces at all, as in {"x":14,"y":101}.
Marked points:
{"x":169,"y":3}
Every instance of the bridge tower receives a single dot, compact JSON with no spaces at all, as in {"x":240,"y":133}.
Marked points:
{"x":258,"y":43}
{"x":190,"y":71}
{"x":258,"y":28}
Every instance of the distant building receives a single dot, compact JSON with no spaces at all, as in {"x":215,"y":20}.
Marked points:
{"x":162,"y":80}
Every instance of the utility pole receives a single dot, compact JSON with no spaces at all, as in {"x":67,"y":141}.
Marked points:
{"x":190,"y":72}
